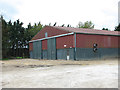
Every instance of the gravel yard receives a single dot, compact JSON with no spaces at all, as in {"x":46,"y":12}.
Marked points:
{"x":33,"y":73}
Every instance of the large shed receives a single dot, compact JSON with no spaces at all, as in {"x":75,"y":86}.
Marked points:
{"x":55,"y":42}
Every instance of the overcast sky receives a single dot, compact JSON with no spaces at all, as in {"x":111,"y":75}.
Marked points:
{"x":103,"y":13}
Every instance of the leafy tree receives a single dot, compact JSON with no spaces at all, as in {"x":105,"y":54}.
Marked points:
{"x":28,"y":34}
{"x":87,"y":24}
{"x":5,"y":38}
{"x":63,"y":25}
{"x":49,"y":24}
{"x":29,"y":26}
{"x":55,"y":24}
{"x":31,"y":32}
{"x":68,"y":25}
{"x":16,"y":36}
{"x":105,"y":29}
{"x":117,"y":28}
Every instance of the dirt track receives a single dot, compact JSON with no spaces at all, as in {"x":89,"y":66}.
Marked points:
{"x":31,"y":73}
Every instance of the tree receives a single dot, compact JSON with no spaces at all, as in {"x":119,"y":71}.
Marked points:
{"x":49,"y":24}
{"x":87,"y":24}
{"x":16,"y":36}
{"x":105,"y":29}
{"x":5,"y":38}
{"x":63,"y":25}
{"x":31,"y":32}
{"x":117,"y":28}
{"x":55,"y":24}
{"x":68,"y":25}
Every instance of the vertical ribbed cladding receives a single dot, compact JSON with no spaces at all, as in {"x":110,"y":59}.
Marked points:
{"x":37,"y":49}
{"x":75,"y":46}
{"x":31,"y":49}
{"x":103,"y":41}
{"x":44,"y":49}
{"x":65,"y":40}
{"x":30,"y":46}
{"x":44,"y":44}
{"x":107,"y":46}
{"x":51,"y":49}
{"x":65,"y":45}
{"x":51,"y":31}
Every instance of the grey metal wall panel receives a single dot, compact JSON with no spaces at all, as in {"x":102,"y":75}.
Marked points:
{"x":37,"y":50}
{"x":62,"y":53}
{"x":44,"y":54}
{"x":87,"y":53}
{"x":51,"y":45}
{"x":109,"y":52}
{"x":72,"y":53}
{"x":31,"y":54}
{"x":49,"y":48}
{"x":53,"y":48}
{"x":34,"y":50}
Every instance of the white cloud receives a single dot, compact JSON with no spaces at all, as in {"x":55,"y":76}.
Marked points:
{"x":103,"y":13}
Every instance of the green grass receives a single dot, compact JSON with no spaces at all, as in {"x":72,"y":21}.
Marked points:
{"x":5,"y":59}
{"x":13,"y":58}
{"x":19,"y":57}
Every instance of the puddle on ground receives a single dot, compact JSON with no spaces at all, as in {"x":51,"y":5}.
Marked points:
{"x":34,"y":66}
{"x":75,"y":64}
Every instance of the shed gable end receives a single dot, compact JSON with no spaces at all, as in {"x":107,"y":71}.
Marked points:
{"x":51,"y":31}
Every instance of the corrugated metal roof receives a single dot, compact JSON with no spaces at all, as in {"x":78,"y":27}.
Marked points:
{"x":87,"y":31}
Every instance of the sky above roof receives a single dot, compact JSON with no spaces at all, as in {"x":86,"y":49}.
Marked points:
{"x":103,"y":13}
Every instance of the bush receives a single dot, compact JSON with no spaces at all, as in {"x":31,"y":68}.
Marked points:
{"x":19,"y":57}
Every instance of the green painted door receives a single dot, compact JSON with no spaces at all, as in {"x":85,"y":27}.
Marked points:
{"x":51,"y":44}
{"x":37,"y":50}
